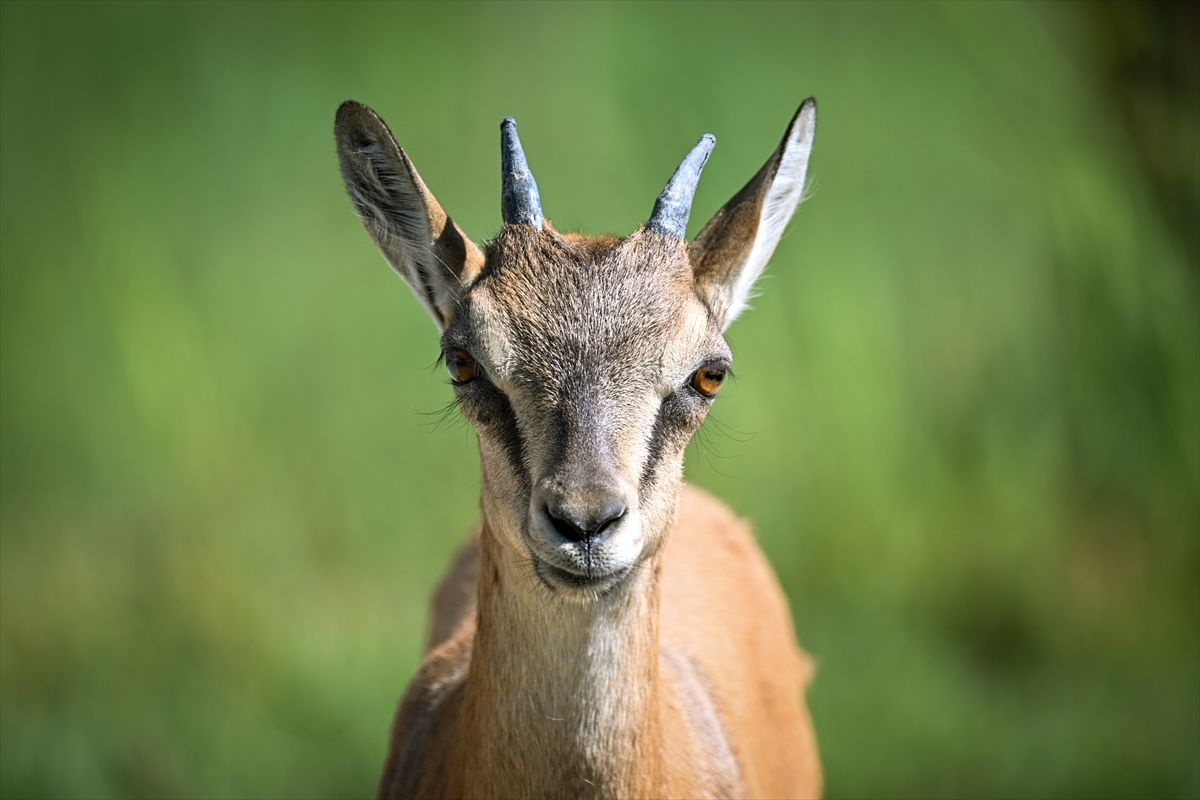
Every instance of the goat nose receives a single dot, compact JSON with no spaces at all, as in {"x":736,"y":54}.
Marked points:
{"x":577,"y":524}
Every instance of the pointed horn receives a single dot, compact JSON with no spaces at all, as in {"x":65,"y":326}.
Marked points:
{"x":674,"y":205}
{"x":519,"y":200}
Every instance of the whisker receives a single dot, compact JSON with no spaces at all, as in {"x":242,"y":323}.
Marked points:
{"x":724,"y":429}
{"x":449,"y":413}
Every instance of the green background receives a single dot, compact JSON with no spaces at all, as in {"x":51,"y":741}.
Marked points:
{"x":966,"y":423}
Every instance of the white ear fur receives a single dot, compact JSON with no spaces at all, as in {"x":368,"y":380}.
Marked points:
{"x":732,"y":251}
{"x":784,"y":195}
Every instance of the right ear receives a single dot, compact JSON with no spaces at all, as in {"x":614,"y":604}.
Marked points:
{"x":732,"y":250}
{"x":408,"y":226}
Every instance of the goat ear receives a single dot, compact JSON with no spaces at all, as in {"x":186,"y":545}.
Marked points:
{"x":733,"y":248}
{"x":408,"y":226}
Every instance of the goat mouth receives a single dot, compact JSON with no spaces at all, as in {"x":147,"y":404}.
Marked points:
{"x":555,"y":577}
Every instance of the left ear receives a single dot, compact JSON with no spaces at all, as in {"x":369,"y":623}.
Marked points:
{"x":422,"y":243}
{"x":733,"y":248}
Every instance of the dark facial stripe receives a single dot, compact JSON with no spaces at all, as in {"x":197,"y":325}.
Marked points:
{"x":658,"y":440}
{"x":501,"y":422}
{"x":676,"y":421}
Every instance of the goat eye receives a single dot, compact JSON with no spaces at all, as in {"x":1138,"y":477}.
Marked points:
{"x":708,"y":379}
{"x":461,"y":366}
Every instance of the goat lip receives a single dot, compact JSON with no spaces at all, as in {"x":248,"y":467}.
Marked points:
{"x":555,"y":577}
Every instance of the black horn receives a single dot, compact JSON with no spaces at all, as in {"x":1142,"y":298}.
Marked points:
{"x":519,"y":200}
{"x":674,"y":205}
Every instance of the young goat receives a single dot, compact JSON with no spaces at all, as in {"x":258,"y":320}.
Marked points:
{"x":609,"y":632}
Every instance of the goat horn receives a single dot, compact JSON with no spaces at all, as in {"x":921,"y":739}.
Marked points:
{"x":519,"y":200}
{"x":674,"y":205}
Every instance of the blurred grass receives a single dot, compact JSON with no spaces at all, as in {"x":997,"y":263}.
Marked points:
{"x":966,"y":425}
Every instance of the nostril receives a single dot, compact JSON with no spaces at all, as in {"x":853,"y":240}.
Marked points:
{"x":577,"y":528}
{"x":565,"y":527}
{"x":607,"y":516}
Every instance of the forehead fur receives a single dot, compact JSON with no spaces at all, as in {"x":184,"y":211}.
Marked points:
{"x":572,"y":301}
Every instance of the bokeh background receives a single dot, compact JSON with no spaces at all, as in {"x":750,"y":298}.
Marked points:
{"x":966,"y":422}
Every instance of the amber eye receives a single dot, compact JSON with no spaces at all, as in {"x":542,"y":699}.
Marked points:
{"x":708,"y":379}
{"x":461,"y":366}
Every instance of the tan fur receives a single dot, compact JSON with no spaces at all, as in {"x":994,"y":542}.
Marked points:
{"x":607,"y":632}
{"x":742,"y":660}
